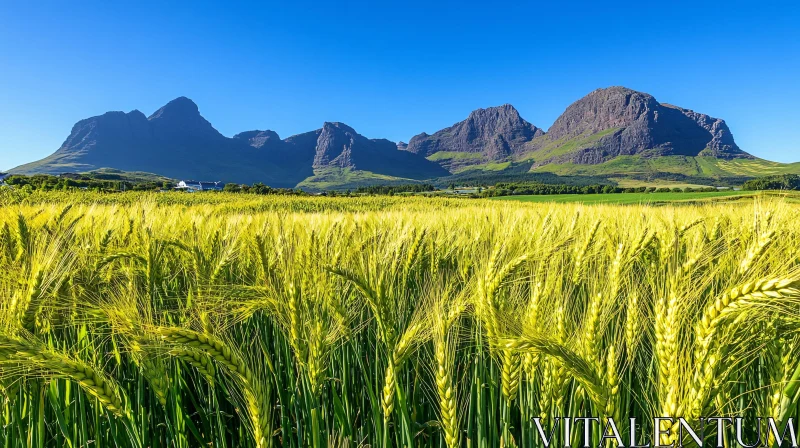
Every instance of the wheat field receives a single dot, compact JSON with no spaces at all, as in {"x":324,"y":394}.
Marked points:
{"x":313,"y":322}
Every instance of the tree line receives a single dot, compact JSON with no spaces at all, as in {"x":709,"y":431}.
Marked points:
{"x":260,"y":188}
{"x":46,"y":182}
{"x":537,"y":188}
{"x":776,"y":182}
{"x":394,"y":189}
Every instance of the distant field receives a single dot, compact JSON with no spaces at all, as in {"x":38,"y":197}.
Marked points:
{"x":624,"y":198}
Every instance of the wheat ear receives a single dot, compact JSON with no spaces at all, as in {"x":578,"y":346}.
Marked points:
{"x":444,"y":383}
{"x":253,"y":391}
{"x":572,"y":362}
{"x":51,"y":363}
{"x":732,"y":301}
{"x":709,"y":325}
{"x":511,"y":373}
{"x":400,"y":352}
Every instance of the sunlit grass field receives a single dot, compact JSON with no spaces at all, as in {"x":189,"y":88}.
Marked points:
{"x":144,"y":320}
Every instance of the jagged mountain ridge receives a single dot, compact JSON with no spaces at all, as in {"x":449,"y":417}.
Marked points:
{"x":337,"y":145}
{"x":176,"y":141}
{"x":604,"y":124}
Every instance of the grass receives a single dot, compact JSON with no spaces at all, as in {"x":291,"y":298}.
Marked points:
{"x":628,"y":198}
{"x":626,"y":166}
{"x":347,"y":178}
{"x":489,"y":166}
{"x":138,"y":320}
{"x":708,"y":168}
{"x":454,"y":155}
{"x":565,"y":145}
{"x":757,"y":167}
{"x":129,"y":176}
{"x":635,"y":183}
{"x":55,"y":164}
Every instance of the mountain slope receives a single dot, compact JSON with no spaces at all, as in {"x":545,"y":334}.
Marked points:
{"x":706,"y":170}
{"x":486,"y":135}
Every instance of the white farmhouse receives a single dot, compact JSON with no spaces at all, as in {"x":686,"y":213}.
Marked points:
{"x":194,"y":185}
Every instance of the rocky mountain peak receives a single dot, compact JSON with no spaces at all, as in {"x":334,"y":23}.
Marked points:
{"x":258,"y":139}
{"x":335,"y":144}
{"x":505,"y":112}
{"x":108,"y":134}
{"x":136,"y":114}
{"x":494,"y":133}
{"x":602,"y":109}
{"x":336,"y":126}
{"x":179,"y":118}
{"x":616,"y":121}
{"x":180,"y":106}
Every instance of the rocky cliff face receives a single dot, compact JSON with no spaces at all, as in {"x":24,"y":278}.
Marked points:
{"x":292,"y":162}
{"x":337,"y":145}
{"x":493,"y":134}
{"x":619,"y":121}
{"x":260,"y":139}
{"x":721,"y":143}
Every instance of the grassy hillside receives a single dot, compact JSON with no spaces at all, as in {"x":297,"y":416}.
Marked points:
{"x":346,"y":178}
{"x":489,"y":166}
{"x":696,"y":170}
{"x":555,"y":148}
{"x":515,"y":172}
{"x":126,"y":176}
{"x":454,"y":155}
{"x":55,"y":164}
{"x":758,"y":167}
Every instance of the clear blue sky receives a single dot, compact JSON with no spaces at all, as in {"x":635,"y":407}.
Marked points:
{"x":392,"y":69}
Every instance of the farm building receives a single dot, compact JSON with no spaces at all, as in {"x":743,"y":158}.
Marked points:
{"x":193,"y":185}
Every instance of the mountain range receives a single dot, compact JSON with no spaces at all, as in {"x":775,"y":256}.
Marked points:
{"x":615,"y":134}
